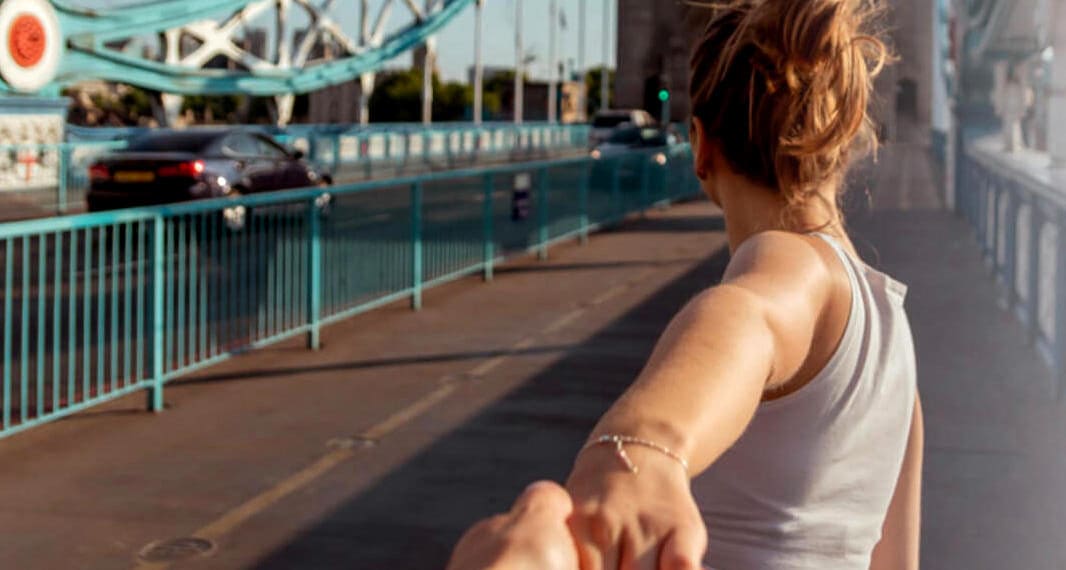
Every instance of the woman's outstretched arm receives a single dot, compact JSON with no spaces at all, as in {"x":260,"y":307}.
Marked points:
{"x":696,"y":396}
{"x":900,"y":543}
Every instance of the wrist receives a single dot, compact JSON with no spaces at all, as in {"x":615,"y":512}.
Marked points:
{"x":660,"y":433}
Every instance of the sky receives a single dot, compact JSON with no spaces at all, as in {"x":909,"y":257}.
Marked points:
{"x":456,"y":42}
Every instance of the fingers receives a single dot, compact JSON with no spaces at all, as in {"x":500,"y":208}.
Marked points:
{"x":684,"y":549}
{"x":543,"y":498}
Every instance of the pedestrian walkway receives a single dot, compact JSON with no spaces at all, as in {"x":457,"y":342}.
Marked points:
{"x":378,"y":450}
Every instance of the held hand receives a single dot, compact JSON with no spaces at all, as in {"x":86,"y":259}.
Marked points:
{"x":533,"y":536}
{"x":634,"y":521}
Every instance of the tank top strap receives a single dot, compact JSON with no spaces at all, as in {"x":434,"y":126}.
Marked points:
{"x":851,"y":265}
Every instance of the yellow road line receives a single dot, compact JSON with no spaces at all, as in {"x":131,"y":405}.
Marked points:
{"x":565,"y":321}
{"x":608,"y":295}
{"x":402,"y":417}
{"x":493,"y":363}
{"x":235,"y":517}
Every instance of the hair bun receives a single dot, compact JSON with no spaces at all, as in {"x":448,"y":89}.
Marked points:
{"x":798,"y":73}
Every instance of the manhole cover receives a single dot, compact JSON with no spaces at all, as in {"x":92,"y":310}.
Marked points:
{"x":176,"y":549}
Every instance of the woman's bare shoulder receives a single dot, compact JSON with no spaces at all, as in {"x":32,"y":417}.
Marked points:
{"x":774,"y":255}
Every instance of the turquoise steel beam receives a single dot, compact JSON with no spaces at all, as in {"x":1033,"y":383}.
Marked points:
{"x":87,"y":57}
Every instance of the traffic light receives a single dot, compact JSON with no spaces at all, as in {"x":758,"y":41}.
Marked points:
{"x":664,"y":95}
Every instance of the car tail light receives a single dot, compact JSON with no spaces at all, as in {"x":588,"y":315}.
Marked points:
{"x":191,"y":169}
{"x":99,"y":173}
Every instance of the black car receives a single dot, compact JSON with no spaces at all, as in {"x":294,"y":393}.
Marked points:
{"x":629,"y":138}
{"x":174,"y":166}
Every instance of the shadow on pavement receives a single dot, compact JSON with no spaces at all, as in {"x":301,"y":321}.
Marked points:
{"x":366,"y":364}
{"x":412,"y":517}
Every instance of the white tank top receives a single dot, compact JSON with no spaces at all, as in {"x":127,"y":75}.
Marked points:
{"x":808,"y":484}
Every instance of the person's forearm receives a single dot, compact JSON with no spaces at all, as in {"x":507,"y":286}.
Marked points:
{"x":703,"y":383}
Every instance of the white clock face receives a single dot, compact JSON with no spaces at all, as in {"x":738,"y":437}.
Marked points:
{"x":30,"y":44}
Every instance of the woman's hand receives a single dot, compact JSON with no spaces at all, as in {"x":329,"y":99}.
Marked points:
{"x":533,"y":536}
{"x":634,"y":521}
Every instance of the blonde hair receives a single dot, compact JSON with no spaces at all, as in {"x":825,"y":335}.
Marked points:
{"x":784,"y":86}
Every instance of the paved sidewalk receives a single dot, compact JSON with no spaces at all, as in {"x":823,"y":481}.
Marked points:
{"x":377,"y":451}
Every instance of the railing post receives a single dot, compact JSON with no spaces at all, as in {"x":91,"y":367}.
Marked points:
{"x":155,"y":391}
{"x":984,"y":196}
{"x":1036,"y":224}
{"x":645,"y":181}
{"x":416,"y":246}
{"x":336,"y":152}
{"x":542,"y":214}
{"x":314,"y":274}
{"x":1010,"y":269}
{"x":489,"y":234}
{"x":63,"y":178}
{"x":616,"y":189}
{"x":992,"y":232}
{"x":1060,"y":303}
{"x":583,"y":201}
{"x":368,"y":171}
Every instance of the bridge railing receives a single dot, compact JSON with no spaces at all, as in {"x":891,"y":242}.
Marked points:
{"x":60,"y":176}
{"x":97,"y":306}
{"x":1018,"y":211}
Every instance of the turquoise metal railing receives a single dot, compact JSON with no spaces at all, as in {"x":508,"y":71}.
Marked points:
{"x":1019,"y":216}
{"x":349,"y":152}
{"x":97,"y":306}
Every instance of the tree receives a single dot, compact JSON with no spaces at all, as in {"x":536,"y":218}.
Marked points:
{"x":451,"y":101}
{"x":398,"y":98}
{"x":593,"y":82}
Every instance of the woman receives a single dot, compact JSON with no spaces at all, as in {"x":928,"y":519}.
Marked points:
{"x":776,"y":425}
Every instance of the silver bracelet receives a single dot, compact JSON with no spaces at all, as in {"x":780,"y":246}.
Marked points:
{"x":621,"y":440}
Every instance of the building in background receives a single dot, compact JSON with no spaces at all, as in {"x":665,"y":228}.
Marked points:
{"x":655,"y":41}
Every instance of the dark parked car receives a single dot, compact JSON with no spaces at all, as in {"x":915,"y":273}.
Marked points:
{"x":628,"y":138}
{"x":174,"y":166}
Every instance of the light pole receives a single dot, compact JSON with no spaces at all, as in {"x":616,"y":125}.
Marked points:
{"x":519,"y":64}
{"x":553,"y":64}
{"x":479,"y":71}
{"x":605,"y":76}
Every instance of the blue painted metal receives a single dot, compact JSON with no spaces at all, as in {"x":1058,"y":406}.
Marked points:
{"x":314,"y":275}
{"x":353,"y":160}
{"x":487,"y":219}
{"x":416,"y":245}
{"x":208,"y":290}
{"x":155,"y":394}
{"x":87,"y":33}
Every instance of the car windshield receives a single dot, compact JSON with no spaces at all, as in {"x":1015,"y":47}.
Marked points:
{"x":609,"y":121}
{"x":173,"y":142}
{"x":625,"y":136}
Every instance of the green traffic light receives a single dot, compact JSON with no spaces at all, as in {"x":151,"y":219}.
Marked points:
{"x":664,"y":95}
